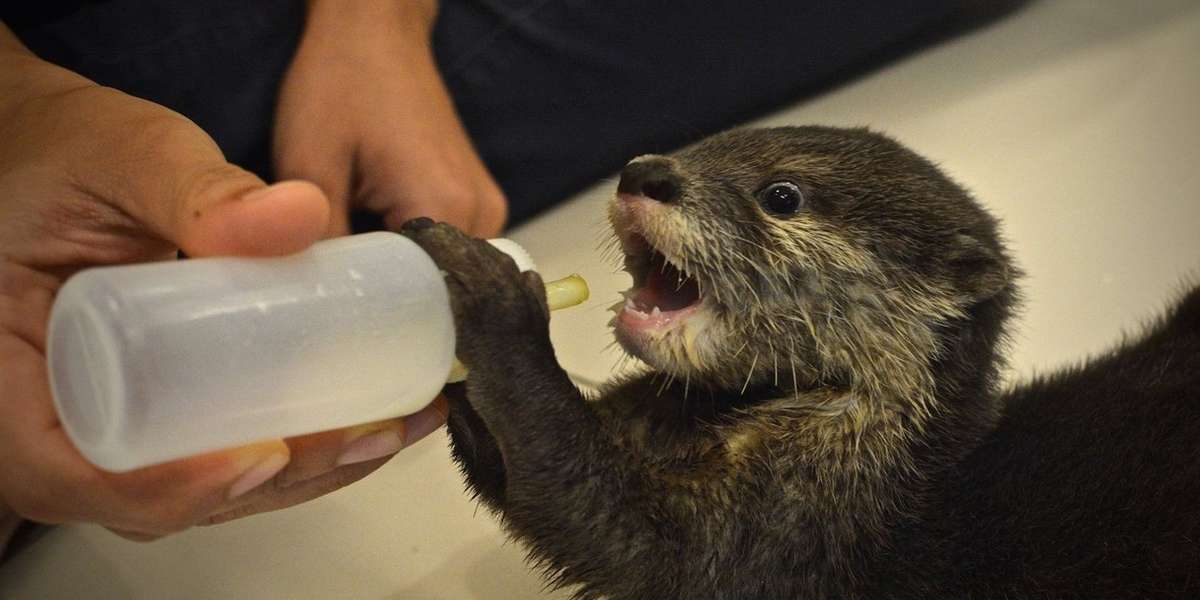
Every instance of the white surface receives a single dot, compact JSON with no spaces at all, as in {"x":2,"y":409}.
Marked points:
{"x":1076,"y":122}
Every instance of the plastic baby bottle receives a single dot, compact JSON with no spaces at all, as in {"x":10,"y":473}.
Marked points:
{"x":153,"y":362}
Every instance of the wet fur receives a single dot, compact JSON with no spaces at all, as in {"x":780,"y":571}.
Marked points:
{"x":834,"y":429}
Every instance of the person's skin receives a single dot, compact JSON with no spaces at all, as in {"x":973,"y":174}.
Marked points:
{"x":364,"y":114}
{"x":92,"y":176}
{"x":9,"y":521}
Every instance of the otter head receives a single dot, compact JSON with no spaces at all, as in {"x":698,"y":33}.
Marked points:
{"x":803,"y":257}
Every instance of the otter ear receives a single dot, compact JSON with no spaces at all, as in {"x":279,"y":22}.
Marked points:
{"x":981,"y":271}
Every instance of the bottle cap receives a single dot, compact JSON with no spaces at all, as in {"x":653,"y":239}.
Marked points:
{"x":516,"y":252}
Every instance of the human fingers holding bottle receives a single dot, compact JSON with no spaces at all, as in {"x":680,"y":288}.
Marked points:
{"x":91,"y":176}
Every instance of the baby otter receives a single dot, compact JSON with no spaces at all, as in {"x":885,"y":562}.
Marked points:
{"x":822,"y":312}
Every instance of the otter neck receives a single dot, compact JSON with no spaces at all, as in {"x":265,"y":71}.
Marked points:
{"x":851,"y":463}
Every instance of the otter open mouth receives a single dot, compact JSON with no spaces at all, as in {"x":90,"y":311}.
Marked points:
{"x":662,"y":293}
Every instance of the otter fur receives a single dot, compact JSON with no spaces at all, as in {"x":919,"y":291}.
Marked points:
{"x":822,"y":314}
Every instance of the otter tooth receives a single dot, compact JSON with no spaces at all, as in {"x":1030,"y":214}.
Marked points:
{"x":655,"y":312}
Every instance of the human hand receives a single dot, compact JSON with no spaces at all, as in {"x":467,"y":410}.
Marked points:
{"x":91,"y":176}
{"x":364,"y":114}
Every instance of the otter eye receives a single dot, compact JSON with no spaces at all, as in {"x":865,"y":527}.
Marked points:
{"x":782,"y":197}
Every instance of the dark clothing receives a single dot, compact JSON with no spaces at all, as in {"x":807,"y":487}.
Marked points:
{"x":218,"y":62}
{"x":555,"y":94}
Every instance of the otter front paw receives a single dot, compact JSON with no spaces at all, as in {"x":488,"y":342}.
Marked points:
{"x":495,"y":306}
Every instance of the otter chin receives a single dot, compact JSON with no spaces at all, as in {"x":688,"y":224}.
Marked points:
{"x":823,"y":316}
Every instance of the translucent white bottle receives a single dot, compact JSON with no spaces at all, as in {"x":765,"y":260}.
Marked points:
{"x":153,"y":362}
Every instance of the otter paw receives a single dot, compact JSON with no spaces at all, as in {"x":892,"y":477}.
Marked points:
{"x":494,"y":304}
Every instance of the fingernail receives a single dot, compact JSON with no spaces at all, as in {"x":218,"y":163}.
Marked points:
{"x":422,"y":424}
{"x":370,"y":446}
{"x":258,"y":474}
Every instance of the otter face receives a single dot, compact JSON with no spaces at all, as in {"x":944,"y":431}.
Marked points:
{"x":797,"y":257}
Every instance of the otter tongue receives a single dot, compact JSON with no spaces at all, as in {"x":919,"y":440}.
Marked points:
{"x":667,"y":289}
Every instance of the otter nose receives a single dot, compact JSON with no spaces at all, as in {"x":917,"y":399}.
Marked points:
{"x":653,"y":178}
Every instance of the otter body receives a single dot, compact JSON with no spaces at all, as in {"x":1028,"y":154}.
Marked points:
{"x":822,"y":314}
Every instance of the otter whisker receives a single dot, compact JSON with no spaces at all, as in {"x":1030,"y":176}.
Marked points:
{"x":776,"y":369}
{"x":772,"y":255}
{"x":795,"y":381}
{"x":749,"y":375}
{"x":666,"y":383}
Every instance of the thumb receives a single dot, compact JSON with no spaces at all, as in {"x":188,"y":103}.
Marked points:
{"x":186,"y":192}
{"x":261,"y":221}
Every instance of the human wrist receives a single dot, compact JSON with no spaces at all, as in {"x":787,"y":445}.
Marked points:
{"x":366,"y":20}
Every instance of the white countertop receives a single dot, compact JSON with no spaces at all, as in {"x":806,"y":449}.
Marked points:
{"x":1076,"y":122}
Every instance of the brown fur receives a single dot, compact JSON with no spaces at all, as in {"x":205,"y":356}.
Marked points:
{"x":827,"y":423}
